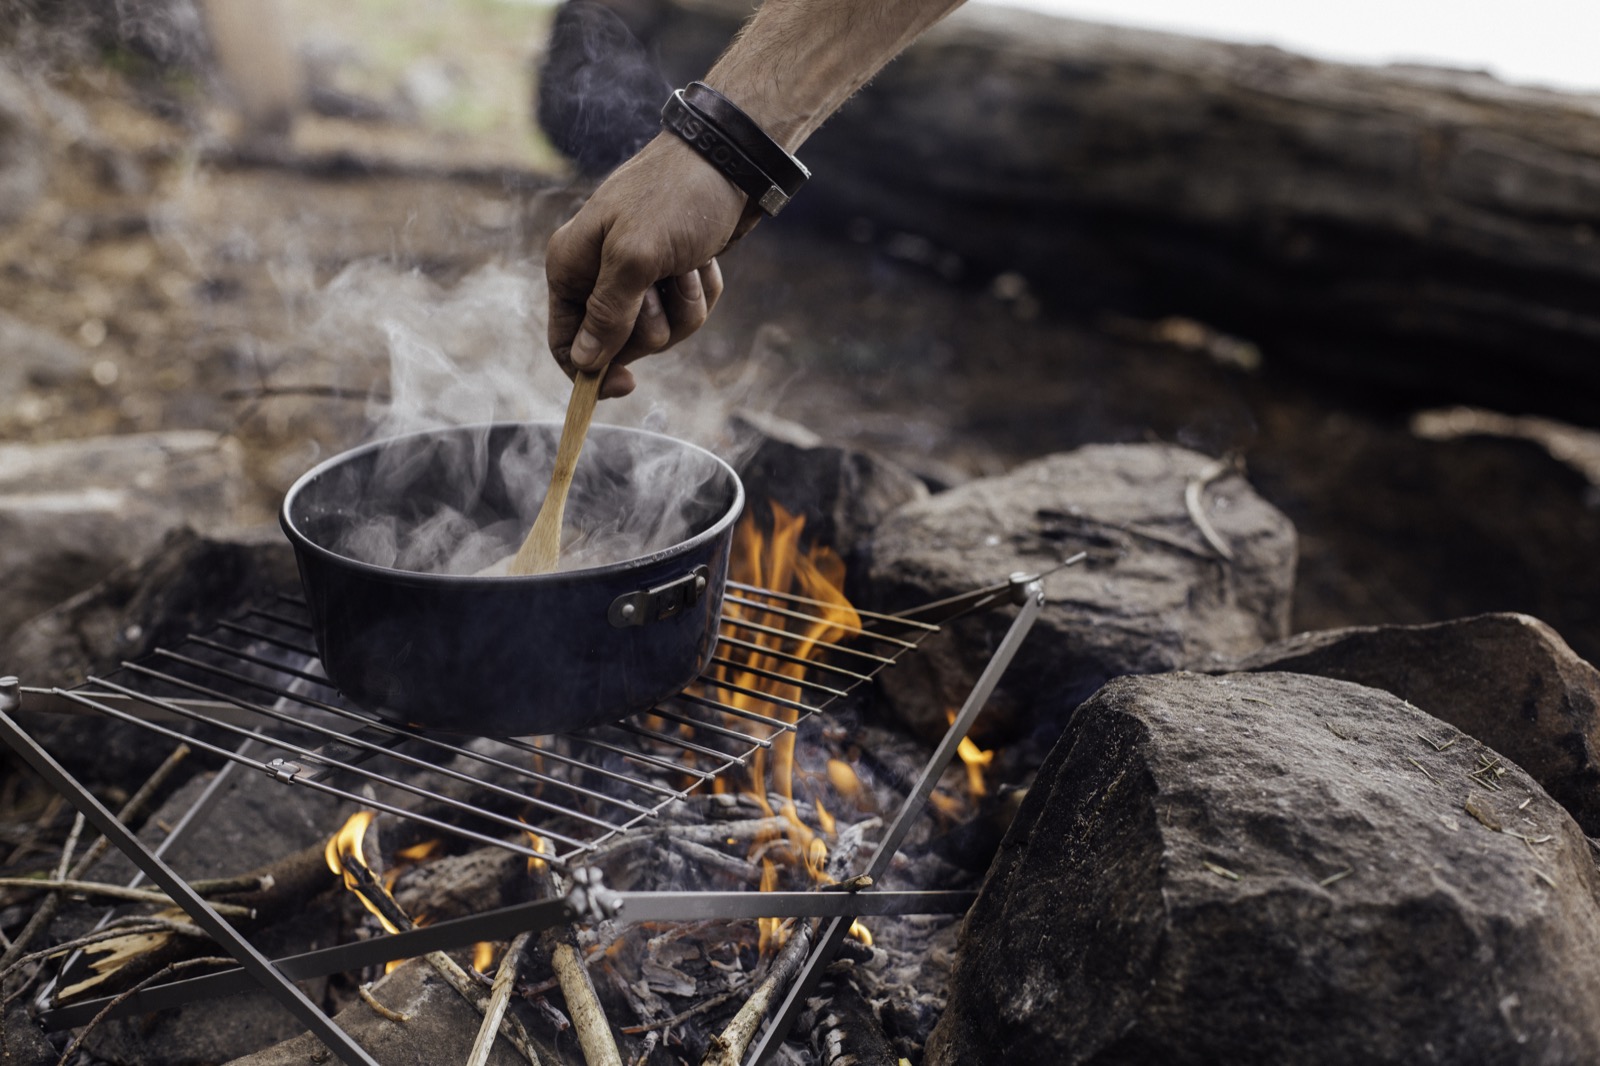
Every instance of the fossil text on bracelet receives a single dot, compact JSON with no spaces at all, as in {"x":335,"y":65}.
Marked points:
{"x":718,"y":150}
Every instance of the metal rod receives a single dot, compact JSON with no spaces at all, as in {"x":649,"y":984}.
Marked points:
{"x":507,"y":922}
{"x":811,"y":976}
{"x":259,"y":660}
{"x":285,"y":991}
{"x":322,"y":758}
{"x":794,"y":705}
{"x":283,"y":620}
{"x":410,"y":760}
{"x":371,"y":747}
{"x":679,"y":742}
{"x":773,"y":675}
{"x":613,"y":775}
{"x":812,"y":663}
{"x":797,"y":598}
{"x":842,"y":649}
{"x":783,"y":612}
{"x":726,"y":708}
{"x":267,"y":638}
{"x":712,"y":727}
{"x":658,"y":763}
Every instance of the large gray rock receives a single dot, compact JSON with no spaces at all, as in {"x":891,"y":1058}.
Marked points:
{"x":73,"y":511}
{"x":1153,"y":595}
{"x":1276,"y":868}
{"x":34,"y":358}
{"x":23,"y":150}
{"x":1508,"y":680}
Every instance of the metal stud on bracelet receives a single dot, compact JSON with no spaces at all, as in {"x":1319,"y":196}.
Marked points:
{"x":724,"y":152}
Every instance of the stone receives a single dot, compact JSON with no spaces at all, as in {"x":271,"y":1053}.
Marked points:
{"x":23,"y":150}
{"x":843,"y":493}
{"x":1153,"y":595}
{"x":189,"y":581}
{"x":1507,"y":680}
{"x":440,"y":1027}
{"x":249,"y":823}
{"x":73,"y":511}
{"x":34,"y":358}
{"x":22,"y":1043}
{"x":1272,"y":868}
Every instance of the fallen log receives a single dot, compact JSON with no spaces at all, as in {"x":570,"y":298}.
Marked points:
{"x":1414,"y":230}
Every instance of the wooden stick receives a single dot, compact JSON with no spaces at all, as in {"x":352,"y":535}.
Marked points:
{"x":588,"y":1017}
{"x":504,"y":979}
{"x":132,"y":895}
{"x":47,"y":910}
{"x":541,"y":551}
{"x":728,"y":1047}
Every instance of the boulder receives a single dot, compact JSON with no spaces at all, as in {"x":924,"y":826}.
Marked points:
{"x":34,"y":358}
{"x":189,"y":581}
{"x":440,"y":1027}
{"x":1276,"y":868}
{"x":73,"y":511}
{"x":23,"y":150}
{"x":1507,"y":680}
{"x":1153,"y":595}
{"x":842,"y":493}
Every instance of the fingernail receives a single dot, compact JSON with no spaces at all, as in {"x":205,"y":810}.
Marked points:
{"x":689,"y":285}
{"x":585,"y":350}
{"x":652,"y":304}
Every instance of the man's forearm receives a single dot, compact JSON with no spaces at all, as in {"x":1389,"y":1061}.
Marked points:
{"x":797,"y":61}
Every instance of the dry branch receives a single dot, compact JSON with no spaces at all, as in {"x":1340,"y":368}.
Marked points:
{"x":47,"y":910}
{"x":588,"y":1017}
{"x":504,"y":980}
{"x":728,"y":1047}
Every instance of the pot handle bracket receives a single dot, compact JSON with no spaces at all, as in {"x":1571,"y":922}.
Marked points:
{"x":659,"y":603}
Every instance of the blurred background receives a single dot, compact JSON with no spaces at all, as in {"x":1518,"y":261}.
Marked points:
{"x":1351,"y":248}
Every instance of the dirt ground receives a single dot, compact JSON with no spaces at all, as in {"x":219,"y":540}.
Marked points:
{"x":276,"y":292}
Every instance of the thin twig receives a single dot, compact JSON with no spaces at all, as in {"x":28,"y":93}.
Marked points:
{"x":165,"y":972}
{"x":588,"y":1017}
{"x":505,"y":979}
{"x":105,"y":891}
{"x":678,"y":1019}
{"x":47,"y":910}
{"x":370,"y":888}
{"x":728,"y":1047}
{"x":1194,"y":503}
{"x":383,"y":1012}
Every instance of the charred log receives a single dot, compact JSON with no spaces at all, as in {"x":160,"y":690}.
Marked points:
{"x":1402,"y":228}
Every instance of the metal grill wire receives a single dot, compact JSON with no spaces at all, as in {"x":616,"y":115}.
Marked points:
{"x":258,"y":675}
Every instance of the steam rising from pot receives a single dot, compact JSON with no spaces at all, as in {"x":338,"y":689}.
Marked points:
{"x":473,"y":354}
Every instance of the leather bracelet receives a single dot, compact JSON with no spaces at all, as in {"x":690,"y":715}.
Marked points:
{"x":721,"y":152}
{"x":786,"y":172}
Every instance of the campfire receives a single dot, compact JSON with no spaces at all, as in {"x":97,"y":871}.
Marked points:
{"x":669,"y":888}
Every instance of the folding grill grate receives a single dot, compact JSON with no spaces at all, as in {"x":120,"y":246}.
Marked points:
{"x":255,"y":678}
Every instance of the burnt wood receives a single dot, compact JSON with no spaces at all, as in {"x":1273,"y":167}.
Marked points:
{"x":1407,"y":230}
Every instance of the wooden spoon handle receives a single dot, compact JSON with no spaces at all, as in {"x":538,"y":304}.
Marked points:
{"x":541,"y":551}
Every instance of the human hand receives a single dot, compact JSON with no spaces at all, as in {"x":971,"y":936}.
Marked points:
{"x":635,"y":271}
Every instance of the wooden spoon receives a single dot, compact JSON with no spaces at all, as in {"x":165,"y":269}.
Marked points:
{"x":541,"y":551}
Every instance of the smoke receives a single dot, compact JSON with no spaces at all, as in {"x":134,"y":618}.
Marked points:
{"x":472,"y":355}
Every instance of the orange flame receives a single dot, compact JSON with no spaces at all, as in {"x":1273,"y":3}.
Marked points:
{"x":344,"y":852}
{"x":976,"y":761}
{"x":777,"y":561}
{"x":483,"y":956}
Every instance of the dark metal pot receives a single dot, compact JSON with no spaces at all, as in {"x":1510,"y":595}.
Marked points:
{"x":452,"y":651}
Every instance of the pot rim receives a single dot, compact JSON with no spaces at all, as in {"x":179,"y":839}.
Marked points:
{"x":304,"y":543}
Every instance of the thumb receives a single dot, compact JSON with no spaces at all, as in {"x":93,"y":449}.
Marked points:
{"x":609,"y":314}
